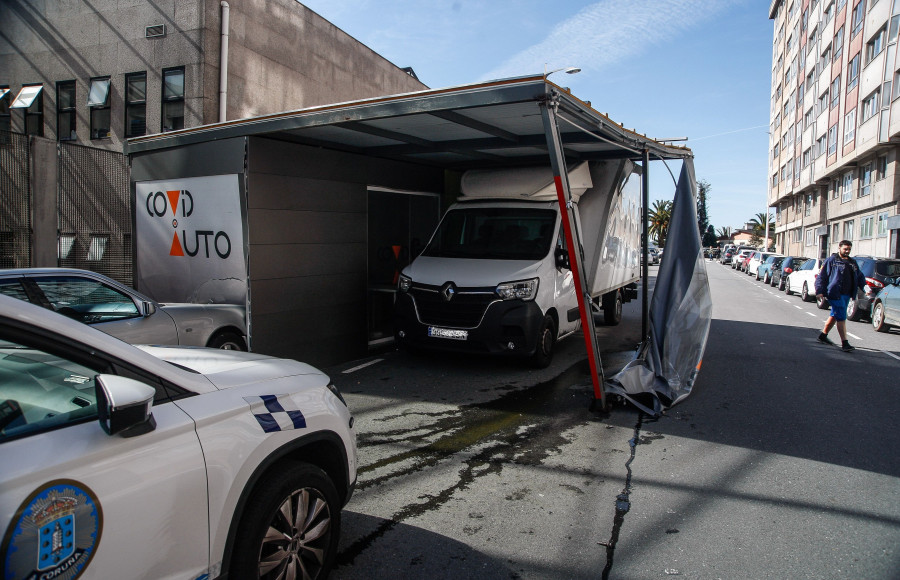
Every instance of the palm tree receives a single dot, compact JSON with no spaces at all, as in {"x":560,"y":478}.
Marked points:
{"x":760,"y":223}
{"x":725,"y":232}
{"x":660,"y":215}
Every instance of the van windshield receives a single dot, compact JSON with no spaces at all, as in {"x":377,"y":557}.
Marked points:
{"x":491,"y":233}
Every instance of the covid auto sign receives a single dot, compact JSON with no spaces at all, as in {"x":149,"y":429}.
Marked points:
{"x":190,"y":240}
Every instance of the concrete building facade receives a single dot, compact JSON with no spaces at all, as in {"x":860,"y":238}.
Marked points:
{"x":835,"y":126}
{"x":99,"y":72}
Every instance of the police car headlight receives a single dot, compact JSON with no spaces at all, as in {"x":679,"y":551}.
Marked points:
{"x":404,"y":283}
{"x":521,"y":290}
{"x":337,"y":393}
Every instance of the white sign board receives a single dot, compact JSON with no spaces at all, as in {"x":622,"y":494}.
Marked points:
{"x":190,"y":240}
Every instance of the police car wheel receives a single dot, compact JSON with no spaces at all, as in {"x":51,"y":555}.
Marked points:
{"x":290,"y":526}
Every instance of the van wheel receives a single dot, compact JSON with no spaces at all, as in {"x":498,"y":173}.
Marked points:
{"x":227,"y":341}
{"x":612,"y":308}
{"x":291,"y":525}
{"x":543,"y":352}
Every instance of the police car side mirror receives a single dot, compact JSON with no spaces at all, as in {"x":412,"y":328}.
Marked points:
{"x":149,"y":308}
{"x":124,"y":405}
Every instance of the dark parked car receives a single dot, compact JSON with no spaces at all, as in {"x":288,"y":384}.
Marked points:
{"x":877,"y":272}
{"x":764,"y":271}
{"x":788,"y":265}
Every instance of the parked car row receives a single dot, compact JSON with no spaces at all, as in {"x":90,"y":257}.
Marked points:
{"x":879,"y":302}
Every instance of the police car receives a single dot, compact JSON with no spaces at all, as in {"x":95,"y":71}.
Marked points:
{"x":163,"y":462}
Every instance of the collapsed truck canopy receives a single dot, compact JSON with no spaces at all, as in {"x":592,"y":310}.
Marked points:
{"x":524,"y":121}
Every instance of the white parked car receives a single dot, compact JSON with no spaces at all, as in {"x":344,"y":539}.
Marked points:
{"x":803,"y":280}
{"x":125,"y":313}
{"x":163,"y":462}
{"x":756,"y":260}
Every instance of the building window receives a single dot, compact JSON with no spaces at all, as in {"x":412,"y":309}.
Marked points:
{"x":832,"y":139}
{"x":828,"y":14}
{"x":135,"y":104}
{"x":848,"y":230}
{"x":838,"y":44}
{"x":776,"y":150}
{"x":856,"y":18}
{"x":882,"y":230}
{"x":5,"y":117}
{"x":65,"y":111}
{"x":808,"y":118}
{"x":847,"y":187}
{"x":840,"y":4}
{"x":31,"y":99}
{"x":875,"y":45}
{"x":835,"y":188}
{"x":866,"y":227}
{"x":870,"y":106}
{"x":853,"y":72}
{"x":865,"y":179}
{"x":173,"y":99}
{"x":807,"y":157}
{"x":807,"y":211}
{"x":849,"y":126}
{"x":821,"y":145}
{"x":836,"y":91}
{"x":822,"y":104}
{"x":880,"y":167}
{"x":836,"y":232}
{"x":895,"y":26}
{"x":98,"y":103}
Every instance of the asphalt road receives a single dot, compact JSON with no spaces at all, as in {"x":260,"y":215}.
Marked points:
{"x":781,"y":464}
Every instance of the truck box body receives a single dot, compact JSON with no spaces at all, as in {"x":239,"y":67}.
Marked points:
{"x":495,"y":274}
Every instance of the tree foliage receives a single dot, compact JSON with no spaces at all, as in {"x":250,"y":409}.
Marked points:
{"x":660,"y":215}
{"x":758,"y":227}
{"x":703,"y":189}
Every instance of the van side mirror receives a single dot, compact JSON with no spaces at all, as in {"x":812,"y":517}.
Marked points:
{"x":562,"y":259}
{"x":123,"y":405}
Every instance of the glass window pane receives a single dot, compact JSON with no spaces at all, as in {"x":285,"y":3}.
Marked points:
{"x":26,"y":97}
{"x":100,"y":123}
{"x":173,"y":84}
{"x":66,"y":99}
{"x":136,"y":88}
{"x":173,"y":116}
{"x":99,"y":94}
{"x":135,"y":120}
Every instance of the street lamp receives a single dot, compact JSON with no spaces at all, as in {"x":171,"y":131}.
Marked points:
{"x":569,"y":70}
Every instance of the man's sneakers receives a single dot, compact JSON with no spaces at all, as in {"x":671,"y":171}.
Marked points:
{"x":845,"y":345}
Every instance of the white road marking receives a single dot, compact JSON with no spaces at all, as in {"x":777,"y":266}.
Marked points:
{"x":362,"y":366}
{"x":815,"y":316}
{"x":798,"y":307}
{"x":890,"y":354}
{"x":853,"y":335}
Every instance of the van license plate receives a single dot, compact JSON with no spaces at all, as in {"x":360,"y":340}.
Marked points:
{"x":448,"y":333}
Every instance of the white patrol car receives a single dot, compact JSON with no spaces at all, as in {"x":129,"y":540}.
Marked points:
{"x":163,"y":462}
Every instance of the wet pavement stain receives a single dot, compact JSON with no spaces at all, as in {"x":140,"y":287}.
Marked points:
{"x":519,"y":427}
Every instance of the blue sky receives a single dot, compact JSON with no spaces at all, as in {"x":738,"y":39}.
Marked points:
{"x":667,"y":68}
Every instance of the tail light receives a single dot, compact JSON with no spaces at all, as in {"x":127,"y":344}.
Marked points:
{"x":788,"y":270}
{"x":874,"y":283}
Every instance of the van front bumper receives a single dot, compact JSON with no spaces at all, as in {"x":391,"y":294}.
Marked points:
{"x":508,"y":327}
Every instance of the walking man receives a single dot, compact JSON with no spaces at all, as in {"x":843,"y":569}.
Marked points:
{"x":838,"y":280}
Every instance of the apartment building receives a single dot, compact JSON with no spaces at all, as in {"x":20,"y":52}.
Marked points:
{"x":96,"y":73}
{"x":835,"y":126}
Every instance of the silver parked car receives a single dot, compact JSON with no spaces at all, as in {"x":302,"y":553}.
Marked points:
{"x":122,"y":312}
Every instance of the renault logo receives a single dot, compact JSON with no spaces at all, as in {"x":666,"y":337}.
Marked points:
{"x":448,"y":291}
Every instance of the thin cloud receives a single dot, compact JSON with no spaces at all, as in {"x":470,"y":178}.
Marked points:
{"x":611,"y":31}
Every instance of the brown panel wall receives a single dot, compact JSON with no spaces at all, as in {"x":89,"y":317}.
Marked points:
{"x":307,"y":215}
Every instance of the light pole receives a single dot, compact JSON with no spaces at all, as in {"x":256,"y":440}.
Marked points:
{"x":569,"y":70}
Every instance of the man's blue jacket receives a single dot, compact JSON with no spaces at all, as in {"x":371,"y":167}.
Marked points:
{"x":828,"y":282}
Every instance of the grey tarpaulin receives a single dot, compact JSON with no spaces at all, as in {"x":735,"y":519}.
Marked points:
{"x":665,"y":368}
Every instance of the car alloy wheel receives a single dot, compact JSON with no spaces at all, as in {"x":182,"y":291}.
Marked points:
{"x":290,"y":527}
{"x":878,"y":318}
{"x":853,"y":312}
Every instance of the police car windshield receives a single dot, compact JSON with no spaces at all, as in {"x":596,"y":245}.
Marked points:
{"x":489,"y":233}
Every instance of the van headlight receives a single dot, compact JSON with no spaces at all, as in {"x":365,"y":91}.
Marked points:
{"x":521,"y":290}
{"x":404,"y":283}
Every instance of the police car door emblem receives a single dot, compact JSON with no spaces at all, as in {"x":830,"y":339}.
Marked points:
{"x":54,"y":533}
